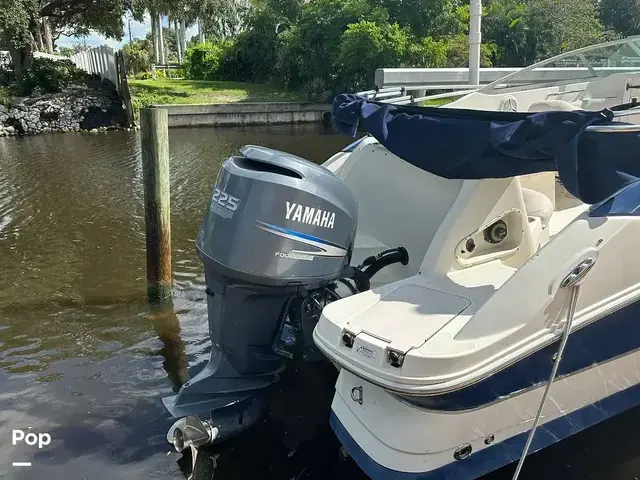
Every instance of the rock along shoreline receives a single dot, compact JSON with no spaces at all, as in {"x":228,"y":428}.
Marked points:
{"x":95,"y":106}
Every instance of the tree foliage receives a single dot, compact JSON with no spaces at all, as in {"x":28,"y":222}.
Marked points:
{"x":202,"y":61}
{"x":24,"y":21}
{"x":224,"y":19}
{"x":137,"y":56}
{"x":526,"y":31}
{"x":72,"y":50}
{"x":364,"y":46}
{"x":424,"y":18}
{"x":621,"y":16}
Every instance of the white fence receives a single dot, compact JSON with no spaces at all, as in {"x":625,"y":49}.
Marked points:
{"x":100,"y":60}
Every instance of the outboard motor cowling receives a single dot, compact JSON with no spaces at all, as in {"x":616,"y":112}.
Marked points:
{"x":277,"y":220}
{"x":276,"y":237}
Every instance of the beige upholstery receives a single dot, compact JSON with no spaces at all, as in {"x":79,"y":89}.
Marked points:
{"x":538,"y":205}
{"x":546,"y":105}
{"x":543,"y":182}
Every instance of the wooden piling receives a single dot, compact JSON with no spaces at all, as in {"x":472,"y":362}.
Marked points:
{"x":154,"y":132}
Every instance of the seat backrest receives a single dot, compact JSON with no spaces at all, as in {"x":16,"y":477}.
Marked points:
{"x":547,"y":105}
{"x":543,"y":182}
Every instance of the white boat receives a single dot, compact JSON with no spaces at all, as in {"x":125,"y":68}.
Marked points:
{"x":445,"y":362}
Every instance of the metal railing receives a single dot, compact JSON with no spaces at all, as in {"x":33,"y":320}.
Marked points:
{"x":400,"y":95}
{"x":458,"y":78}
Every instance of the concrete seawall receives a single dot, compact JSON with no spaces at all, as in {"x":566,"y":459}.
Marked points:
{"x":243,"y":114}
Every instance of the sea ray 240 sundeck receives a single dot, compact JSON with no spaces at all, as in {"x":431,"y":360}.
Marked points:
{"x":443,"y":371}
{"x":440,"y":262}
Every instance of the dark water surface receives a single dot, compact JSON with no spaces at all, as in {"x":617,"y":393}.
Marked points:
{"x":84,"y":358}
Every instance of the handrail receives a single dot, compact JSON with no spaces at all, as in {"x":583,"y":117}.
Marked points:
{"x":613,"y":128}
{"x":459,"y":93}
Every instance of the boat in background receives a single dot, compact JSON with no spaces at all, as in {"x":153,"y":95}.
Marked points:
{"x":514,"y":322}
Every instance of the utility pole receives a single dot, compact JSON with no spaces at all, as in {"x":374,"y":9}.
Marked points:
{"x":475,"y":40}
{"x":130,"y":39}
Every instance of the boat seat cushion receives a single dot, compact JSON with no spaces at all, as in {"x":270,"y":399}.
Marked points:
{"x":538,"y":205}
{"x":547,"y":105}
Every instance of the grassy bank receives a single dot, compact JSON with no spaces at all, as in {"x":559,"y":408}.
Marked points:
{"x":172,"y":91}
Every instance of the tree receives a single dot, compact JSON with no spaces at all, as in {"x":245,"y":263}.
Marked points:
{"x":137,"y":55}
{"x":21,"y":22}
{"x":434,"y":18}
{"x":223,"y":19}
{"x":15,"y":35}
{"x":169,"y":43}
{"x":318,"y":33}
{"x":72,"y":50}
{"x":526,"y":31}
{"x":621,"y":16}
{"x":366,"y":46}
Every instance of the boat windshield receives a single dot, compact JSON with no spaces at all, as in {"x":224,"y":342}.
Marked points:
{"x":584,"y":64}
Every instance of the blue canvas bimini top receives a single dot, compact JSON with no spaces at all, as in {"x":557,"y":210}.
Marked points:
{"x":476,"y":144}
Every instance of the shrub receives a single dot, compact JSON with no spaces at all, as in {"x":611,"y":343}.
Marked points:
{"x":315,"y":43}
{"x":253,"y":54}
{"x":7,"y":77}
{"x":317,"y":91}
{"x":137,"y":56}
{"x":143,"y":75}
{"x":428,"y":53}
{"x":202,"y":61}
{"x":6,"y":94}
{"x":250,"y":58}
{"x":457,"y":48}
{"x":50,"y":76}
{"x":290,"y":61}
{"x":366,"y":46}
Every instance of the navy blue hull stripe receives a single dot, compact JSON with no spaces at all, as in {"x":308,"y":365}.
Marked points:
{"x":612,"y":336}
{"x":502,"y":452}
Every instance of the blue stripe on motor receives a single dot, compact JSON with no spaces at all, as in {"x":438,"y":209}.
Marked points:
{"x":605,"y":339}
{"x":302,"y":235}
{"x":501,"y":452}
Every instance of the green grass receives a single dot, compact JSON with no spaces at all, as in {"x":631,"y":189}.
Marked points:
{"x":437,"y":102}
{"x":172,"y":91}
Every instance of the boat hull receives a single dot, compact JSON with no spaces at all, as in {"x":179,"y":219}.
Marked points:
{"x":392,"y":439}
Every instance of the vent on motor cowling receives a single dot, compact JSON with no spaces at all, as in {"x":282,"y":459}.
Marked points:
{"x":259,"y":166}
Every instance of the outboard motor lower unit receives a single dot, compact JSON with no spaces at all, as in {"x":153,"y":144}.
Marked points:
{"x":276,"y":243}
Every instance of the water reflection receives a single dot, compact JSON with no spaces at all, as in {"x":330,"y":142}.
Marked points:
{"x":167,"y":327}
{"x":82,"y":355}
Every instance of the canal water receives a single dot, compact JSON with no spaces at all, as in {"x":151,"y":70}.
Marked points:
{"x":84,"y":358}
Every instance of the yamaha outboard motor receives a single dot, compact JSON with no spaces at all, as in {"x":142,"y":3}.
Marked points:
{"x":276,"y":243}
